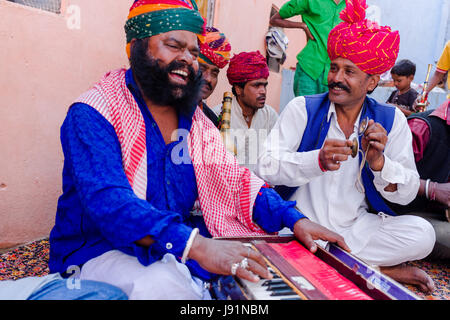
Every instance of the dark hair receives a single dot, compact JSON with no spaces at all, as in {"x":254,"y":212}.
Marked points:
{"x":240,"y":85}
{"x":404,"y":68}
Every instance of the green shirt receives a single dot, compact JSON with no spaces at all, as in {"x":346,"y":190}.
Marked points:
{"x":320,"y":16}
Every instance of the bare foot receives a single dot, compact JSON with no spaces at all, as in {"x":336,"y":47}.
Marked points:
{"x":410,"y":275}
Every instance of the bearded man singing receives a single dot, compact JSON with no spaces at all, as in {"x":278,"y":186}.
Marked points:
{"x":147,"y":181}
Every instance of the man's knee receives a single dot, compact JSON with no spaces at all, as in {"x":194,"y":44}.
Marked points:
{"x":425,"y":237}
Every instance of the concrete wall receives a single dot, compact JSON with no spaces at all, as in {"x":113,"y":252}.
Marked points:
{"x":422,"y":25}
{"x":46,"y":61}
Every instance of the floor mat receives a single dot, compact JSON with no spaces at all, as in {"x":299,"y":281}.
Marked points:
{"x":440,"y":273}
{"x":26,"y":261}
{"x":32,"y":260}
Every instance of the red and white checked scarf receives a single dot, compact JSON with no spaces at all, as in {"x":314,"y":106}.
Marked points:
{"x":226,"y":191}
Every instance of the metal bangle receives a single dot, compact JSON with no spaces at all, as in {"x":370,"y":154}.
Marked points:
{"x":189,"y":245}
{"x":427,"y":184}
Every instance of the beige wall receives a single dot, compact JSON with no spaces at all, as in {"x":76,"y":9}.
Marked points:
{"x":245,"y":23}
{"x":48,"y":60}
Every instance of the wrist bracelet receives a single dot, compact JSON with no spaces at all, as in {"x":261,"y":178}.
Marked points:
{"x":320,"y":165}
{"x":427,"y":184}
{"x":433,"y":191}
{"x":189,"y":245}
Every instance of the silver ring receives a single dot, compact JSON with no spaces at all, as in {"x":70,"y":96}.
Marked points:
{"x":244,"y":263}
{"x":248,"y":252}
{"x":333,"y":156}
{"x":234,"y":267}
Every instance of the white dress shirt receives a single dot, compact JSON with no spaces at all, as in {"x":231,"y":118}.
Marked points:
{"x":331,"y":198}
{"x":249,"y":141}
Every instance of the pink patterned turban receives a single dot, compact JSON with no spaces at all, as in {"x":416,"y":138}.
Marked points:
{"x":372,"y":48}
{"x":247,"y":66}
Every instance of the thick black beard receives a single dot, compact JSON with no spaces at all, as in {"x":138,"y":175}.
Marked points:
{"x":154,"y":81}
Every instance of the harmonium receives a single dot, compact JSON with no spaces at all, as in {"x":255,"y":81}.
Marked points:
{"x":329,"y":274}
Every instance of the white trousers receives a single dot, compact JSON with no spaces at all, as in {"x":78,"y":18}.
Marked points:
{"x":166,"y":279}
{"x":398,"y":239}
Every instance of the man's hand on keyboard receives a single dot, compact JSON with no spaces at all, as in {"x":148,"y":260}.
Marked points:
{"x":229,"y":258}
{"x":307,"y":231}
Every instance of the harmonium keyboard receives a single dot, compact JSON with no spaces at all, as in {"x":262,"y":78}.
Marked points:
{"x":329,"y":274}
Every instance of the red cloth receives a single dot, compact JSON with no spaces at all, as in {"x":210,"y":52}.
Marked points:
{"x":372,"y":48}
{"x":247,"y":66}
{"x":421,"y":136}
{"x":442,"y":111}
{"x":421,"y":131}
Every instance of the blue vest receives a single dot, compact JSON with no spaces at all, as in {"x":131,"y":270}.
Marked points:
{"x":317,"y":107}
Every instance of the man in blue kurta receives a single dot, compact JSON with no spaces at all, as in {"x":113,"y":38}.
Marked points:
{"x":147,"y":181}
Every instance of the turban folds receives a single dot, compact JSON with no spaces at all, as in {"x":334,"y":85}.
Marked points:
{"x":214,"y":48}
{"x":247,"y":66}
{"x":152,"y":17}
{"x":372,"y":48}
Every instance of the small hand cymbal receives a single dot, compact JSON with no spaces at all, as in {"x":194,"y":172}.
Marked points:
{"x":363,"y":126}
{"x":355,"y":147}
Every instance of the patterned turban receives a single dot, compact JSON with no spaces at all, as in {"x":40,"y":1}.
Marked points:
{"x":152,"y":17}
{"x":247,"y":66}
{"x":215,"y":48}
{"x":372,"y":48}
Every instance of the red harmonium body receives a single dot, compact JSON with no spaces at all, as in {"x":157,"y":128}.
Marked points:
{"x":302,"y":275}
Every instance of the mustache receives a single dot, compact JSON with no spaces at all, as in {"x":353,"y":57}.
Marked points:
{"x":207,"y":84}
{"x":340,"y":85}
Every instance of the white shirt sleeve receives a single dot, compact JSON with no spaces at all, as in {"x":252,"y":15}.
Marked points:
{"x":273,"y":117}
{"x":399,"y":166}
{"x":279,"y":162}
{"x":217,"y":109}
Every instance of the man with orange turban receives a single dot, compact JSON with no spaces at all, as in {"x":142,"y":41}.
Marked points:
{"x":214,"y":56}
{"x":251,"y":118}
{"x":312,"y":161}
{"x":147,"y":181}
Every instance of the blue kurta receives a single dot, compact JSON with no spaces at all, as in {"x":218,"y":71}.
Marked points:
{"x":98,"y":210}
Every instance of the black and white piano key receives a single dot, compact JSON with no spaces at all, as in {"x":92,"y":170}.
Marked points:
{"x":274,"y":289}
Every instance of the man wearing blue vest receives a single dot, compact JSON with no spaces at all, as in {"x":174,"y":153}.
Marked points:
{"x":308,"y":154}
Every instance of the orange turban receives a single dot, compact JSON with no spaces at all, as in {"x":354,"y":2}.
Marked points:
{"x":215,"y":48}
{"x":372,"y":48}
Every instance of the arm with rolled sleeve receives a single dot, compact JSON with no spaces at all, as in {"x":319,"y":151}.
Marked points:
{"x":293,"y":8}
{"x":280,"y":163}
{"x":272,"y":213}
{"x":399,"y":166}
